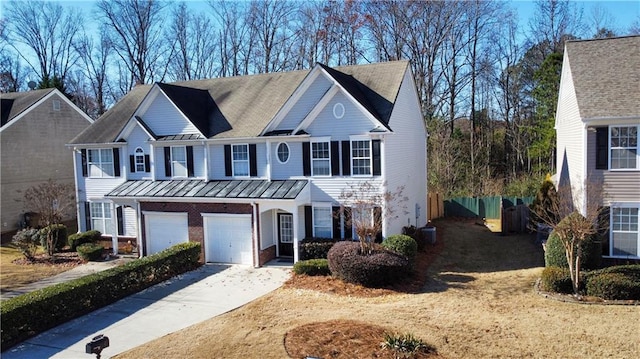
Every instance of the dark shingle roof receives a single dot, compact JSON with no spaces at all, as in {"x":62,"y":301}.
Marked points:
{"x":606,"y":76}
{"x":244,"y":105}
{"x":14,"y":103}
{"x":196,"y":104}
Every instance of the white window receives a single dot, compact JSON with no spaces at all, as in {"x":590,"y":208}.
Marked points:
{"x":624,"y":232}
{"x":139,"y":160}
{"x":624,"y":147}
{"x":100,"y":162}
{"x":179,"y":161}
{"x":361,"y":158}
{"x":282,"y":152}
{"x":320,"y":159}
{"x":240,"y":157}
{"x":362,"y":217}
{"x":101,"y":217}
{"x":322,"y":222}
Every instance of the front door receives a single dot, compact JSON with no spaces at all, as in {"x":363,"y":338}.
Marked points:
{"x":285,"y":234}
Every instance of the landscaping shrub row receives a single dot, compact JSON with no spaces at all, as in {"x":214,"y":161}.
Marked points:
{"x":77,"y":239}
{"x":312,"y":248}
{"x":29,"y":314}
{"x":613,"y":283}
{"x":312,"y":267}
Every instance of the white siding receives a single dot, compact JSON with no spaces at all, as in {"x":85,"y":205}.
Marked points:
{"x":216,"y":162}
{"x":293,"y":167}
{"x":268,"y":235}
{"x":404,"y":156}
{"x":261,"y":160}
{"x":354,"y":121}
{"x":307,"y":101}
{"x":137,"y":138}
{"x":329,"y":189}
{"x":95,"y":188}
{"x":130,"y":226}
{"x":164,"y":119}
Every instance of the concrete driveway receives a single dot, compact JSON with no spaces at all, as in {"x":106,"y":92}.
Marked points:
{"x":157,"y":311}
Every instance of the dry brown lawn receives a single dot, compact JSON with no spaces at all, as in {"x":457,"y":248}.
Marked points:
{"x":478,"y":302}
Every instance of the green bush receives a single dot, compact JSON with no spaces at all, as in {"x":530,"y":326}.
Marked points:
{"x":27,"y":241}
{"x":318,"y":266}
{"x":90,"y":251}
{"x":613,"y":286}
{"x":29,"y":314}
{"x":554,"y":255}
{"x":402,"y":244}
{"x":380,"y":268}
{"x":556,"y":279}
{"x":406,"y":345}
{"x":77,"y":239}
{"x":312,"y":248}
{"x":59,"y":233}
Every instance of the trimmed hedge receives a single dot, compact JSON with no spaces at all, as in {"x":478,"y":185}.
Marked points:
{"x":402,"y":244}
{"x":312,"y":267}
{"x":90,"y":251}
{"x":312,"y":248}
{"x":59,"y":230}
{"x":556,"y":279}
{"x":554,"y":255}
{"x":377,"y":269}
{"x":77,"y":239}
{"x":615,"y":283}
{"x":29,"y":314}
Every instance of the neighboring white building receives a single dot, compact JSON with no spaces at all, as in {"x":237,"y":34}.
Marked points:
{"x":597,"y":125}
{"x":248,"y":166}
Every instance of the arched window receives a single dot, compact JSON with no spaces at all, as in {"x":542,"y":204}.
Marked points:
{"x":139,"y":160}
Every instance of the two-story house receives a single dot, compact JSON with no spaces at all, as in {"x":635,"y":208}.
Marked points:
{"x":250,"y":165}
{"x":597,"y":125}
{"x":35,"y":126}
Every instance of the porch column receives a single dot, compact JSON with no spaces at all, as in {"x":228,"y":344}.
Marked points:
{"x":295,"y":235}
{"x":114,"y":228}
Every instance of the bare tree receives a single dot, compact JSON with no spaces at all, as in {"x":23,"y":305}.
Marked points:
{"x":270,"y":21}
{"x":53,"y":201}
{"x":552,"y":21}
{"x":94,"y":60}
{"x":236,"y":42}
{"x":47,"y":32}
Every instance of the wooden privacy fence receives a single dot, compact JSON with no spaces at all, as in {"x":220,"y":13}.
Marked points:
{"x":435,"y":206}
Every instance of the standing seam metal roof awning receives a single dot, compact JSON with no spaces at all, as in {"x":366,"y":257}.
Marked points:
{"x":255,"y":189}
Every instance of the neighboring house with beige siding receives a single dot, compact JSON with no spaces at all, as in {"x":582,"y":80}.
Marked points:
{"x":35,"y":127}
{"x":597,"y":126}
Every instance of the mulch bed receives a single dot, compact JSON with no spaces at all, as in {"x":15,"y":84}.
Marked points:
{"x":63,"y":259}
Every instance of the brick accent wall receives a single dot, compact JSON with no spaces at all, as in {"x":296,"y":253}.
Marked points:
{"x":194,"y":212}
{"x":267,"y":254}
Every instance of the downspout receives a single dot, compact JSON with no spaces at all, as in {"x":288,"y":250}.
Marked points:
{"x":256,"y":241}
{"x":139,"y":229}
{"x":75,"y":182}
{"x":114,"y":228}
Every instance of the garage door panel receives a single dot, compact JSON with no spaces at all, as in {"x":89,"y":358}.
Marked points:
{"x":165,"y":230}
{"x":228,"y":239}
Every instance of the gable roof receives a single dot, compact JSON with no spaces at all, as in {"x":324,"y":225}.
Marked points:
{"x":606,"y":76}
{"x":244,"y":105}
{"x":195,"y":104}
{"x":14,"y":103}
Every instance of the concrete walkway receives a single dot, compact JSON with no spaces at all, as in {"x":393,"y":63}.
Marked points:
{"x":164,"y":308}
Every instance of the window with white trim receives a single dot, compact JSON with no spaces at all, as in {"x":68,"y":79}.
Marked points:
{"x":361,"y":217}
{"x":100,"y":162}
{"x":320,"y":159}
{"x":623,"y":141}
{"x":101,"y":217}
{"x":361,"y":158}
{"x":179,"y":161}
{"x":322,"y":222}
{"x":139,"y":160}
{"x":282,"y":152}
{"x":624,"y":232}
{"x":240,"y":158}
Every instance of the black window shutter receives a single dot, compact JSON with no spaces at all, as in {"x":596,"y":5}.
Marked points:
{"x":132,"y":163}
{"x":346,"y":158}
{"x":602,"y":148}
{"x":335,"y":158}
{"x":603,"y":225}
{"x":253,"y":161}
{"x":348,"y":228}
{"x":190,"y":171}
{"x":85,"y":163}
{"x":167,"y":161}
{"x":306,"y":159}
{"x":227,"y":161}
{"x":375,"y":153}
{"x":336,"y":222}
{"x":116,"y":162}
{"x":308,"y":221}
{"x":377,"y":218}
{"x":120,"y":219}
{"x":147,"y":163}
{"x":87,"y":216}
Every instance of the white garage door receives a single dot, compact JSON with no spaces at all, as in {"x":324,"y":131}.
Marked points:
{"x":165,"y":230}
{"x":228,"y":238}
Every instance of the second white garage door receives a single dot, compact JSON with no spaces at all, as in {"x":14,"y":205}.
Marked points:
{"x":164,"y":230}
{"x":228,"y":238}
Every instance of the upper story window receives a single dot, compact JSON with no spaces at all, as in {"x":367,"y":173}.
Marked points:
{"x":623,"y":146}
{"x":320,"y":159}
{"x":101,"y":162}
{"x":282,"y":152}
{"x":240,"y":159}
{"x":179,"y":161}
{"x":361,"y":158}
{"x":139,"y":160}
{"x":56,"y":105}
